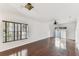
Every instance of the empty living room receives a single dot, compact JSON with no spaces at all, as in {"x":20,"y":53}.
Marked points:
{"x":39,"y":29}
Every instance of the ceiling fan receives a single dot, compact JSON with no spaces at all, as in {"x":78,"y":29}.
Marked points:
{"x":29,"y":6}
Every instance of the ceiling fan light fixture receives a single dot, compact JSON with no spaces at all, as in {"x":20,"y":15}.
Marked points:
{"x":29,"y":6}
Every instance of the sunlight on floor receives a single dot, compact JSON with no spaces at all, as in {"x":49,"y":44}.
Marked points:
{"x":20,"y":53}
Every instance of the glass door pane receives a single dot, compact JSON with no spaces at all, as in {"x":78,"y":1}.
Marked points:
{"x":63,"y":38}
{"x":4,"y":34}
{"x":10,"y":31}
{"x":16,"y":33}
{"x":19,"y":32}
{"x":24,"y":31}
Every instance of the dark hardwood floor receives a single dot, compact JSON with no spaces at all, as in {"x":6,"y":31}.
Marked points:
{"x":45,"y":47}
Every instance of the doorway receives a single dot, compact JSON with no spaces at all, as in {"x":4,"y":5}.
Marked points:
{"x":60,"y":37}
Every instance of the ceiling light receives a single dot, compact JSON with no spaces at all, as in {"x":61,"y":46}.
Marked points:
{"x":29,"y":6}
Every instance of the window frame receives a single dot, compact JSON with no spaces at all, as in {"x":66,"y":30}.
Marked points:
{"x":17,"y":30}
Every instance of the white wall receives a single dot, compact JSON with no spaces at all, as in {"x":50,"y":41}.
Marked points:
{"x":71,"y":29}
{"x":37,"y":30}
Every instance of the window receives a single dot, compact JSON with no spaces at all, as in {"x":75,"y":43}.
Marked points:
{"x":13,"y":31}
